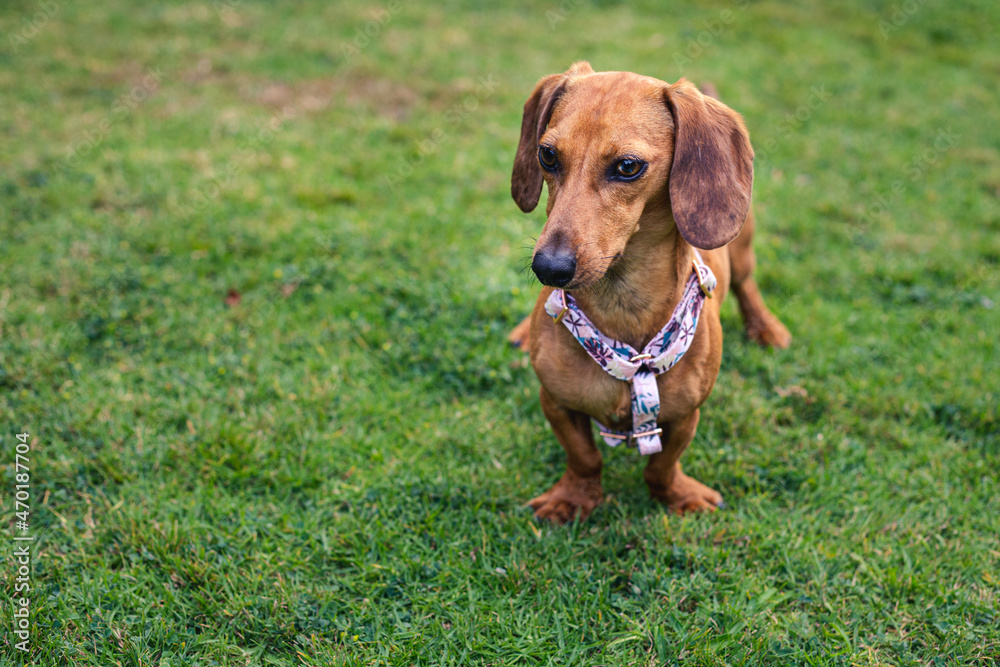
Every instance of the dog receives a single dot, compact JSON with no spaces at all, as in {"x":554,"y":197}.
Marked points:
{"x":648,"y":224}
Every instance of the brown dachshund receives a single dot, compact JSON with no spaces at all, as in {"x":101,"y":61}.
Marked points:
{"x":646,"y":180}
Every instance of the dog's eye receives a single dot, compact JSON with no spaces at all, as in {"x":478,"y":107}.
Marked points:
{"x":548,"y":158}
{"x":629,"y":168}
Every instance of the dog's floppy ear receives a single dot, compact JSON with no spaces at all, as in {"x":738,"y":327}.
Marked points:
{"x":712,"y":173}
{"x":526,"y":181}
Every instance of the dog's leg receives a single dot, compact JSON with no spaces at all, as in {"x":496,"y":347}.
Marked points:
{"x":760,"y":323}
{"x":667,"y":483}
{"x":520,"y":335}
{"x":579,"y":491}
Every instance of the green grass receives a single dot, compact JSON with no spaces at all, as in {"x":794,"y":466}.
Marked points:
{"x":333,"y":469}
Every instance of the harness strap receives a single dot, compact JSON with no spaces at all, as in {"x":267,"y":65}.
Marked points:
{"x":622,"y":361}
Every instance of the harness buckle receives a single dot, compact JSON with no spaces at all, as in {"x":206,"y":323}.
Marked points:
{"x":630,"y":438}
{"x":565,"y":309}
{"x":701,"y":281}
{"x":627,"y":439}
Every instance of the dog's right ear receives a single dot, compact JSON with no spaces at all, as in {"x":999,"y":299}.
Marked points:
{"x":526,"y":181}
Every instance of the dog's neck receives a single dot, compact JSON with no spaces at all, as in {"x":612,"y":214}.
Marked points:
{"x":638,"y":294}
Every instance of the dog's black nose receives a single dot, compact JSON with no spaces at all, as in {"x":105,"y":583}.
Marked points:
{"x":554,"y":269}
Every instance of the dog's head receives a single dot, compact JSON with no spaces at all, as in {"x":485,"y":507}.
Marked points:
{"x":620,"y":151}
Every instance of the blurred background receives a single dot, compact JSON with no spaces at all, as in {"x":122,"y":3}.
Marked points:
{"x":257,"y":265}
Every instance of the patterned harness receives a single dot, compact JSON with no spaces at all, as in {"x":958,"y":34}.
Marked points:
{"x":621,"y":361}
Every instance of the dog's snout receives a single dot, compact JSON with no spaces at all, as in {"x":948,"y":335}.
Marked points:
{"x":556,"y":268}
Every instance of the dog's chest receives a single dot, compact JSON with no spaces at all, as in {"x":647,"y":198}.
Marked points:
{"x":579,"y":383}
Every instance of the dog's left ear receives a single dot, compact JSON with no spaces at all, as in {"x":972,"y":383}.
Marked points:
{"x":712,"y":173}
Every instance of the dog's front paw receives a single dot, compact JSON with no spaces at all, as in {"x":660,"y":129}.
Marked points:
{"x":570,"y":497}
{"x":687,"y":494}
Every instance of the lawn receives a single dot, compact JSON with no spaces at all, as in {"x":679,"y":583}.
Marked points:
{"x":257,"y":265}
